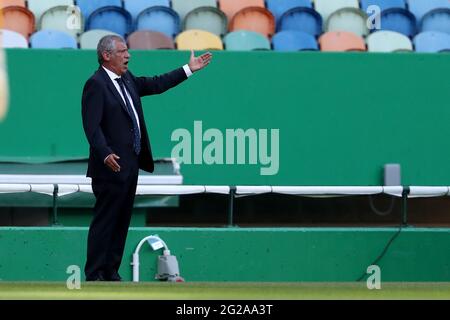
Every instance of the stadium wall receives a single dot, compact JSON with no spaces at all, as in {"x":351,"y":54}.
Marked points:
{"x":240,"y":254}
{"x":341,"y":116}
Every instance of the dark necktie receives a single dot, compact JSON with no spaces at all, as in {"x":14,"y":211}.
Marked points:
{"x":136,"y":135}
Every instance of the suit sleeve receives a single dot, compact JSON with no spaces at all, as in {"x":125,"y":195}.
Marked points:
{"x":159,"y":84}
{"x":92,"y":113}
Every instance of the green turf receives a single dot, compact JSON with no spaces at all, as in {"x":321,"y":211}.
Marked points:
{"x":221,"y":290}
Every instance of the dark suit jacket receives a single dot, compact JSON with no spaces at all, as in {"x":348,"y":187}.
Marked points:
{"x":108,"y":127}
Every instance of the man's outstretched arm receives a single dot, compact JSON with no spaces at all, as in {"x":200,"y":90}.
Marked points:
{"x":159,"y":84}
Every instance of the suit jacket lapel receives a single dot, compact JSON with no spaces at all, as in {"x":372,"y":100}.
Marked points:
{"x":113,"y":89}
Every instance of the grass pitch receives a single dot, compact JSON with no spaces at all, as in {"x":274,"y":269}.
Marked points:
{"x":222,"y":291}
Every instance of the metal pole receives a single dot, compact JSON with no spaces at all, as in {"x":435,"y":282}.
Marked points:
{"x":55,"y":205}
{"x":405,"y":194}
{"x":231,"y":206}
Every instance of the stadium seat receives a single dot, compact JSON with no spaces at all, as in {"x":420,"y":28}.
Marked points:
{"x":327,"y":7}
{"x":388,"y":41}
{"x":111,"y":18}
{"x":52,"y":39}
{"x":183,"y":7}
{"x":420,"y":7}
{"x":432,"y":41}
{"x":207,"y":18}
{"x":278,"y":7}
{"x":383,"y":4}
{"x":348,"y":19}
{"x":161,"y":19}
{"x":149,"y":40}
{"x":56,"y":18}
{"x":12,"y":39}
{"x":436,"y":20}
{"x":399,"y":20}
{"x":90,"y":39}
{"x":294,"y":41}
{"x":38,"y":7}
{"x":231,"y":7}
{"x":246,"y":41}
{"x":301,"y":19}
{"x":8,"y":3}
{"x":341,"y":41}
{"x":89,"y":6}
{"x":198,"y":40}
{"x":18,"y":19}
{"x":134,"y":7}
{"x":255,"y":19}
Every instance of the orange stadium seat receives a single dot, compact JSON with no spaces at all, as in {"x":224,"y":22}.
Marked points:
{"x":148,"y":40}
{"x":255,"y":19}
{"x":18,"y":19}
{"x":231,"y":7}
{"x":341,"y":41}
{"x":8,"y":3}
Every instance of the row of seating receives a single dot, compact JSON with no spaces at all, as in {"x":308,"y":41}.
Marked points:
{"x":381,"y":41}
{"x":171,"y":17}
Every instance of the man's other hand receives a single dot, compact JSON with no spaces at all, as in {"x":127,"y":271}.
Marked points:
{"x":111,"y":162}
{"x":198,"y":63}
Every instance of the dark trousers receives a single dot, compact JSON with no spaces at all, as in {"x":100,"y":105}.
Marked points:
{"x":109,"y":226}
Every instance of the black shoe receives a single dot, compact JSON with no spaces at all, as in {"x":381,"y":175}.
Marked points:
{"x":115,"y":277}
{"x":98,"y":277}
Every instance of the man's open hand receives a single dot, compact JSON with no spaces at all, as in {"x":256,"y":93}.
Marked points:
{"x":198,"y":63}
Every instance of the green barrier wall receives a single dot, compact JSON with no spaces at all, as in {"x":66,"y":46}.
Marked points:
{"x":341,"y":117}
{"x":297,"y":254}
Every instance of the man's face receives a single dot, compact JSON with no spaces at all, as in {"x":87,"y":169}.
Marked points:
{"x":118,"y":59}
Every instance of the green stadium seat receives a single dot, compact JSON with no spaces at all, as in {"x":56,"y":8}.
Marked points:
{"x":348,"y":19}
{"x":243,"y":40}
{"x":149,"y":40}
{"x":90,"y":39}
{"x":207,"y":18}
{"x":38,"y":7}
{"x":388,"y":41}
{"x":198,"y":40}
{"x":183,"y":7}
{"x":327,"y":7}
{"x":56,"y":18}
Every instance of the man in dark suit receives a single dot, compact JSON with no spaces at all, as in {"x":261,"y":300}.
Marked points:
{"x":114,"y":125}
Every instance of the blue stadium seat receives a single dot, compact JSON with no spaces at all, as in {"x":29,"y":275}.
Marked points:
{"x":432,"y":41}
{"x":12,"y":39}
{"x":383,"y":4}
{"x":52,"y":39}
{"x":134,"y":7}
{"x":278,"y":7}
{"x":89,"y":6}
{"x":111,"y":18}
{"x":420,"y":7}
{"x":161,"y":19}
{"x":436,"y":20}
{"x":301,"y":19}
{"x":399,"y":20}
{"x":294,"y":41}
